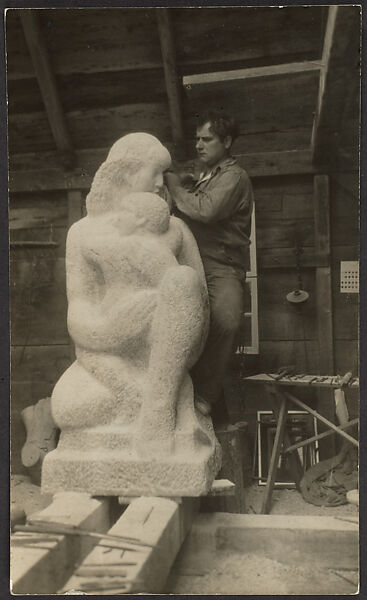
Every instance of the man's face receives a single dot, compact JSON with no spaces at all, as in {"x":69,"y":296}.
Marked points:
{"x":210,"y":148}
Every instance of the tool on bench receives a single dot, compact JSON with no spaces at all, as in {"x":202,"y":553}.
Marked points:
{"x":287,"y":371}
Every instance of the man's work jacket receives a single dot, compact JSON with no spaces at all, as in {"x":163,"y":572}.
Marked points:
{"x":218,"y":211}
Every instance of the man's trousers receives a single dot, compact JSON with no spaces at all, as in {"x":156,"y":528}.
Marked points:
{"x":226,"y":299}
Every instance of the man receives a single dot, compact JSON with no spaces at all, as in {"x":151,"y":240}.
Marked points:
{"x":218,"y":210}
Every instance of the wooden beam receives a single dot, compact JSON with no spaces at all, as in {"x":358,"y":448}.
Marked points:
{"x":23,"y":179}
{"x":325,"y":404}
{"x":253,"y":72}
{"x":323,"y":274}
{"x":339,"y":63}
{"x":160,"y":525}
{"x":42,"y":568}
{"x":173,"y":87}
{"x":48,"y":86}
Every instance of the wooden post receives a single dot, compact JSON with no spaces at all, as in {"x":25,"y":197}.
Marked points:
{"x":326,"y":405}
{"x":281,"y":417}
{"x":47,"y":83}
{"x":172,"y":81}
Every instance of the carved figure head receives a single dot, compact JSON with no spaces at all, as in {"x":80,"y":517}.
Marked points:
{"x":135,"y":163}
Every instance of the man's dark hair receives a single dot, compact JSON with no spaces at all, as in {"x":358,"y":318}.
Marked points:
{"x":221,"y":124}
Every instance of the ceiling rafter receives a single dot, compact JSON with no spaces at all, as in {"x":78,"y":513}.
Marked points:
{"x":339,"y":64}
{"x":47,"y":82}
{"x":253,"y":72}
{"x":173,"y":85}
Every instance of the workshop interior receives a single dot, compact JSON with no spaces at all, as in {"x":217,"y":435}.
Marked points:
{"x":280,"y":513}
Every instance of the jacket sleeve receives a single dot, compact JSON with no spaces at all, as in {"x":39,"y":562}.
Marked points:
{"x":231,"y":192}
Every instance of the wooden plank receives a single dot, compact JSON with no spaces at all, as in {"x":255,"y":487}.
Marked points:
{"x":35,"y":217}
{"x":297,"y":206}
{"x":129,"y":37}
{"x":39,"y":363}
{"x":38,"y":301}
{"x":281,"y":233}
{"x":284,"y":258}
{"x":46,"y":242}
{"x":251,"y":72}
{"x":321,"y":418}
{"x":100,"y":89}
{"x":99,"y":127}
{"x":281,"y":418}
{"x":47,"y":83}
{"x":257,"y":165}
{"x":296,"y":138}
{"x":221,"y":35}
{"x":173,"y":86}
{"x":339,"y":62}
{"x":162,"y":524}
{"x":276,"y":163}
{"x":320,"y":436}
{"x":41,"y":567}
{"x":75,"y":206}
{"x":261,"y":104}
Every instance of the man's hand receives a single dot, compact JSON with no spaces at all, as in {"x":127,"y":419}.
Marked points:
{"x":171,"y":180}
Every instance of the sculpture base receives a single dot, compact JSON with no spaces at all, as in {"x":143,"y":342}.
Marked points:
{"x":83,"y":463}
{"x":116,"y":475}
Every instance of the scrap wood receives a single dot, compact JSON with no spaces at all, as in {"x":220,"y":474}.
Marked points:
{"x":222,"y":487}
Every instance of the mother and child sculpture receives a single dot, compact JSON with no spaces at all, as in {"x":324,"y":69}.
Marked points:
{"x":138,"y":314}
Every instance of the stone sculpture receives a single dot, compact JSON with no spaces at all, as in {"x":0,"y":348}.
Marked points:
{"x":138,"y":315}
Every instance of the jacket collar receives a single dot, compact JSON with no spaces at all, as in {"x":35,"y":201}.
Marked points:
{"x":225,"y":162}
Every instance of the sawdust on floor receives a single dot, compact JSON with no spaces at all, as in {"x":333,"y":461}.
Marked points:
{"x":290,"y":502}
{"x":255,"y":574}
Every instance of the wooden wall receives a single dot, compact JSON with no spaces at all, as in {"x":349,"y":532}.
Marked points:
{"x":40,"y":343}
{"x":288,"y":335}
